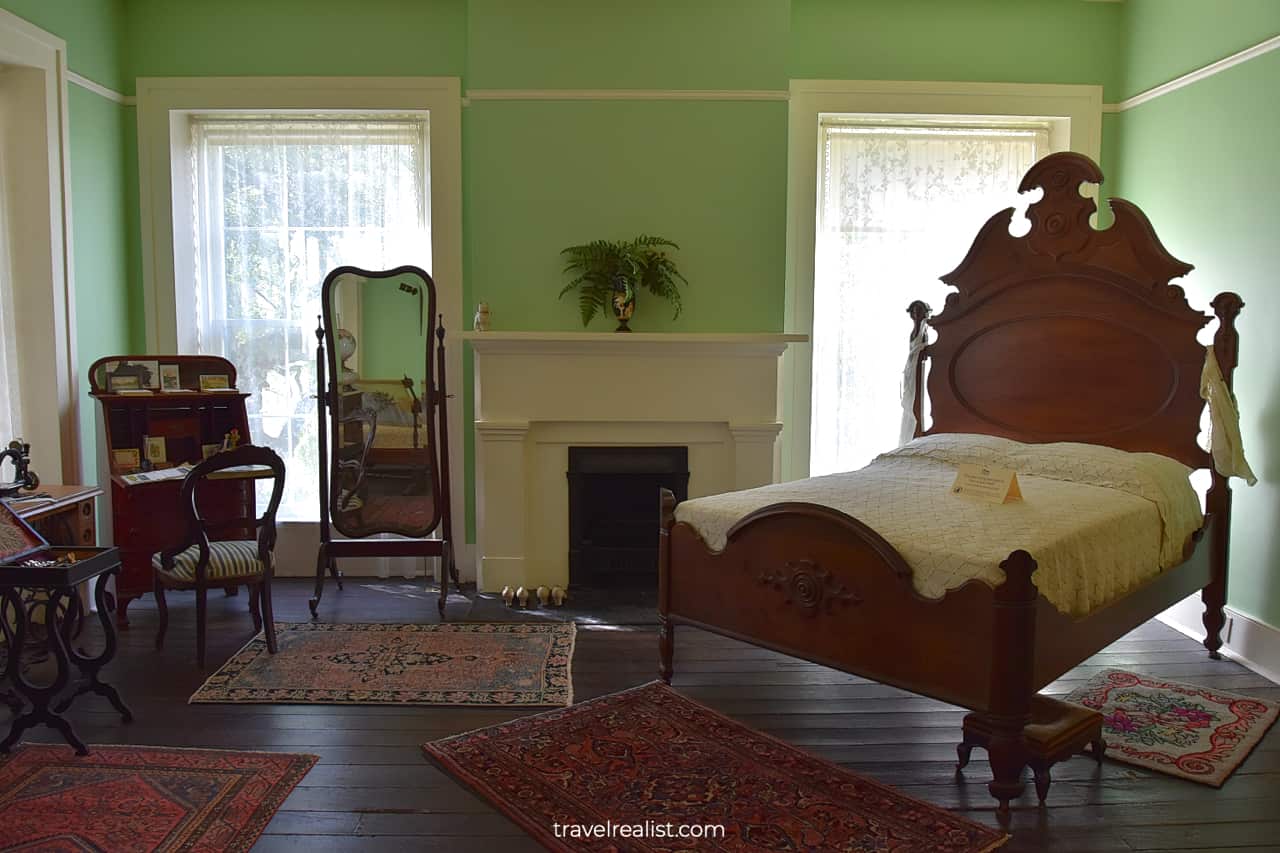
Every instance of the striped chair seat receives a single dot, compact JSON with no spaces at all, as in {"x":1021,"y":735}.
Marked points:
{"x":230,"y":559}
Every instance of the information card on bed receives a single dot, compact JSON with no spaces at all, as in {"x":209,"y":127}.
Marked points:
{"x":990,"y":485}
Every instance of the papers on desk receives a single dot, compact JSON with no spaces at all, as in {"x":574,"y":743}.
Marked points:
{"x":176,"y":473}
{"x":145,"y":392}
{"x":238,"y":472}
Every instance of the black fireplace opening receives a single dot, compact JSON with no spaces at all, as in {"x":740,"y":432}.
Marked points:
{"x":614,"y":513}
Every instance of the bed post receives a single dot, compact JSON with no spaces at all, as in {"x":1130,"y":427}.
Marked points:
{"x":1013,"y":640}
{"x":666,"y":631}
{"x":919,"y":313}
{"x":1226,"y":348}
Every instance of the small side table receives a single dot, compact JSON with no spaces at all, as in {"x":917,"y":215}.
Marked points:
{"x":1057,"y":731}
{"x":62,"y":610}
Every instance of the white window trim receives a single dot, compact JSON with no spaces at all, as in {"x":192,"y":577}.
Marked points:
{"x":1081,"y":105}
{"x":24,"y":44}
{"x":162,"y":101}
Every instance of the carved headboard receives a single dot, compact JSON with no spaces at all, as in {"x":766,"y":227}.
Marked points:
{"x":1068,"y":333}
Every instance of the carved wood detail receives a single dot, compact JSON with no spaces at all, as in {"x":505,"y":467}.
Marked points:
{"x":809,"y":587}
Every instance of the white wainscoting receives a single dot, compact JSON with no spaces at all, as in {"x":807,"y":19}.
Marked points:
{"x":1248,"y":641}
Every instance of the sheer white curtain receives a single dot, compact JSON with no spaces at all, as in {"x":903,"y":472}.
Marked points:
{"x":898,"y":206}
{"x":280,"y":201}
{"x":10,"y":394}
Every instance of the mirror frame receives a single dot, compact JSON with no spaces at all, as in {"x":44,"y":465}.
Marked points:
{"x":429,"y":396}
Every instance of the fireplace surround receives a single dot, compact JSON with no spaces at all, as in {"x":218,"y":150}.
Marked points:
{"x":537,"y":394}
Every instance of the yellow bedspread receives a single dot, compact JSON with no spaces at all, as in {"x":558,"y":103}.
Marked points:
{"x":1098,"y":521}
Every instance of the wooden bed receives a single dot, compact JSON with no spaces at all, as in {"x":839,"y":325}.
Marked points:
{"x":1064,"y":334}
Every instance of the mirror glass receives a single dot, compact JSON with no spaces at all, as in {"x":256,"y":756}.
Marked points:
{"x":378,"y":334}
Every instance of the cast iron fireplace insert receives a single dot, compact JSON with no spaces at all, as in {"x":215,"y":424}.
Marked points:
{"x":613,"y":511}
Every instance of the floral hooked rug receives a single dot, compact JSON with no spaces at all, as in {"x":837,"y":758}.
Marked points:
{"x":649,"y":762}
{"x":463,"y":663}
{"x":1180,"y":729}
{"x":141,"y":798}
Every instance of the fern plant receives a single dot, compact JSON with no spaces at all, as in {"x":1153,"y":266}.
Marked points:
{"x":608,"y":272}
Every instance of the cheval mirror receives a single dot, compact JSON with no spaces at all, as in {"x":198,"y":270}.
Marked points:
{"x":384,"y":447}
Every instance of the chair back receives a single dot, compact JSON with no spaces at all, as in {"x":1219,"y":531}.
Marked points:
{"x":245,"y":456}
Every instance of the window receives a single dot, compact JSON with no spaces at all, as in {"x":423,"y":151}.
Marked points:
{"x":279,"y":200}
{"x":898,"y":206}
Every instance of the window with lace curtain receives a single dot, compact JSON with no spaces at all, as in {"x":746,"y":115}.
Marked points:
{"x":898,"y":206}
{"x":278,"y":202}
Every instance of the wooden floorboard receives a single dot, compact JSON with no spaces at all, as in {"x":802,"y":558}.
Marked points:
{"x":373,"y":790}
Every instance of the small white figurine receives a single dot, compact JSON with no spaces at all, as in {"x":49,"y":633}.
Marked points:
{"x":544,"y":596}
{"x":522,"y":596}
{"x":508,"y":595}
{"x":558,"y":595}
{"x":481,"y":321}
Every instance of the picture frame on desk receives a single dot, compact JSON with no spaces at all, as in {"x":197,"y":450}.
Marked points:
{"x":132,"y":375}
{"x":125,"y":461}
{"x":169,"y":379}
{"x":214,"y":382}
{"x":157,"y":453}
{"x":207,"y":450}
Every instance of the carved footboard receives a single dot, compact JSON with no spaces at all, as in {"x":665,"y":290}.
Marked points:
{"x":812,"y":582}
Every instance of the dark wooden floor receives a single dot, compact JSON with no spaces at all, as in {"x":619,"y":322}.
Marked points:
{"x":372,"y":790}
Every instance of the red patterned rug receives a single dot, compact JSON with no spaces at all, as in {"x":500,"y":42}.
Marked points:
{"x":649,"y":762}
{"x":460,"y":663}
{"x":1180,"y":729}
{"x":140,"y":798}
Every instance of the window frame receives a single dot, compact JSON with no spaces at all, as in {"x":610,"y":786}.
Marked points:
{"x":164,"y":104}
{"x":1078,"y":106}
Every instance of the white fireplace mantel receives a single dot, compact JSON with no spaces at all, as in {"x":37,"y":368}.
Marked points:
{"x":538,"y":393}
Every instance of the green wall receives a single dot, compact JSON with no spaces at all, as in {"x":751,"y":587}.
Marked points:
{"x":539,"y":175}
{"x":330,"y":38}
{"x":105,"y":314}
{"x":1200,"y":162}
{"x":1168,"y":38}
{"x":92,"y":29}
{"x":1003,"y":41}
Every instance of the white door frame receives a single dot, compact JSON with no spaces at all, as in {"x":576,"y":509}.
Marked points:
{"x":1080,"y":106}
{"x":45,"y":290}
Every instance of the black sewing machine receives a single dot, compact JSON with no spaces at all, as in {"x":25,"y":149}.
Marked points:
{"x":19,"y":452}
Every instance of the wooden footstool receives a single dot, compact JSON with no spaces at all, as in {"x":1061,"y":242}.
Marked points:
{"x":1057,"y":731}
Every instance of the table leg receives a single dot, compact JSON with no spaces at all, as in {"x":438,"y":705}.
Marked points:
{"x":9,"y":697}
{"x":90,"y":666}
{"x":39,"y":697}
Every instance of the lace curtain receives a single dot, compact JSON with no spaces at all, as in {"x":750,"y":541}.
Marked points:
{"x":280,"y":201}
{"x":898,"y":206}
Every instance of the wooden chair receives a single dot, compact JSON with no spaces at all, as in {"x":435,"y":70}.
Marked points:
{"x":199,"y":563}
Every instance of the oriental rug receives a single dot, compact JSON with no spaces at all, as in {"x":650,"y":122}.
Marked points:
{"x":648,"y":761}
{"x":1180,"y":729}
{"x":460,"y":663}
{"x":141,"y":798}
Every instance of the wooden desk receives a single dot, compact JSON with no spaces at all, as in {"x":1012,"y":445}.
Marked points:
{"x":146,"y":517}
{"x":67,"y":519}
